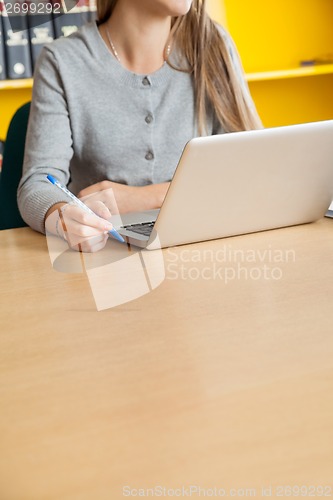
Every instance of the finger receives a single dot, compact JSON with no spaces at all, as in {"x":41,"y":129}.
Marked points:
{"x":75,"y":229}
{"x":77,"y":214}
{"x":91,"y":245}
{"x":88,"y":243}
{"x":95,"y":247}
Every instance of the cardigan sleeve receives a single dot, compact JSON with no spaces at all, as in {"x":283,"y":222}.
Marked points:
{"x":48,"y":148}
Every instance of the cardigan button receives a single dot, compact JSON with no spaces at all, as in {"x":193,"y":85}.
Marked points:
{"x":145,"y":81}
{"x":149,"y":118}
{"x":149,"y":155}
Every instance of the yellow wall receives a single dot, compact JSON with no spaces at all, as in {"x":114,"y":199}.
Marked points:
{"x":275,"y":36}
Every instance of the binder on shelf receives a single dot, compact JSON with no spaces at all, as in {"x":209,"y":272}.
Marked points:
{"x":27,"y":25}
{"x":16,"y":40}
{"x":92,"y":10}
{"x":3,"y":74}
{"x":85,"y":7}
{"x":40,"y":25}
{"x":69,"y":16}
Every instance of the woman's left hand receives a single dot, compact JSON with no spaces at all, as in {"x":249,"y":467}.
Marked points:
{"x":120,"y":198}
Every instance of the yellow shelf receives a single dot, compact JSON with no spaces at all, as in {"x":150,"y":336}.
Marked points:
{"x":320,"y":69}
{"x":24,"y":83}
{"x":13,"y":93}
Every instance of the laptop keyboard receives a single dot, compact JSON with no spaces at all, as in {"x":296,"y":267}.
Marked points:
{"x":145,"y":228}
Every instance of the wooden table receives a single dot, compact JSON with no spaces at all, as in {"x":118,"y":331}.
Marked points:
{"x":204,"y":382}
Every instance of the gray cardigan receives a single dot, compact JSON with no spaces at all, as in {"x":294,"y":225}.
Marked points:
{"x":91,"y":120}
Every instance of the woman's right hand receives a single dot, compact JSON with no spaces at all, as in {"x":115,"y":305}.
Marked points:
{"x":83,"y":231}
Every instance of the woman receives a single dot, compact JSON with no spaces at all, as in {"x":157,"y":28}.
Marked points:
{"x":114,"y":105}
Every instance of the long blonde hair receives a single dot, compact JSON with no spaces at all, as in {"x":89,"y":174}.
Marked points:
{"x":216,"y":82}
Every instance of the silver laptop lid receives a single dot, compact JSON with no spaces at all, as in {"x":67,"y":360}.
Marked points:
{"x":244,"y":182}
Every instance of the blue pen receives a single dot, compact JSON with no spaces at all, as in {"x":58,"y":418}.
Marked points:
{"x":79,"y":203}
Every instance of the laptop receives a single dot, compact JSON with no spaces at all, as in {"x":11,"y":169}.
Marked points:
{"x":329,"y":212}
{"x":239,"y":183}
